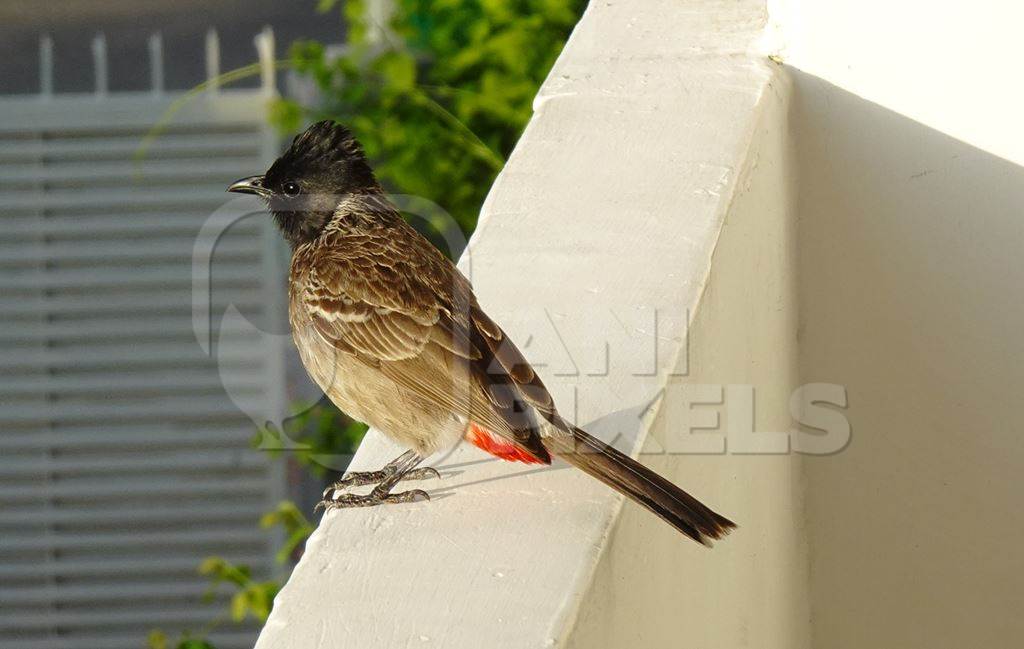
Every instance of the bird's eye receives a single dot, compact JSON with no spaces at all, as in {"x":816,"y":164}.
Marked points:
{"x":290,"y":188}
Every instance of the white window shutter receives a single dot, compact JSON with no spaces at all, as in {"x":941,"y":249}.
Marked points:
{"x":122,"y":461}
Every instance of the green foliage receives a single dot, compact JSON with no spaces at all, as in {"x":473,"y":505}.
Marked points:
{"x":251,"y":598}
{"x":157,"y":639}
{"x":319,"y":436}
{"x":441,"y":102}
{"x":296,"y":526}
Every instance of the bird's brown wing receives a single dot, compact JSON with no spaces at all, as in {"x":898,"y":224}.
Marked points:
{"x":399,"y":306}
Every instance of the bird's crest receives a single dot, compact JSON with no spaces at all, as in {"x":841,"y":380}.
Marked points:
{"x":319,"y":146}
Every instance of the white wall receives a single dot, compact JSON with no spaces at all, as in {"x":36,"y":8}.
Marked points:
{"x":910,"y":279}
{"x":907,"y":153}
{"x":953,"y":66}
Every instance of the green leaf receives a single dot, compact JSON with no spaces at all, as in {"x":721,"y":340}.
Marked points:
{"x":239,"y":606}
{"x":297,"y":538}
{"x":157,"y":639}
{"x":397,"y":71}
{"x":211,"y":565}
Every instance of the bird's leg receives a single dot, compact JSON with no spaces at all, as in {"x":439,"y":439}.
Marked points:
{"x":401,"y":468}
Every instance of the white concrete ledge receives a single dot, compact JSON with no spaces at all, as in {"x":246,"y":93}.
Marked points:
{"x":599,"y":235}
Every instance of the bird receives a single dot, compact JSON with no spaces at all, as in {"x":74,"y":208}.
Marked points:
{"x":393,"y":334}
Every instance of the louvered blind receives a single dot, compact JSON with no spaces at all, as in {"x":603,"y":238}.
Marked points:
{"x":123,"y":463}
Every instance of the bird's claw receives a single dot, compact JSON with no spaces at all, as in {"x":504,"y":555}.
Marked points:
{"x":424,"y":473}
{"x":361,"y":478}
{"x":345,"y":500}
{"x":356,"y":479}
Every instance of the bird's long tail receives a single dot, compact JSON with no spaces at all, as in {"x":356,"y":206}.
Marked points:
{"x":627,"y":476}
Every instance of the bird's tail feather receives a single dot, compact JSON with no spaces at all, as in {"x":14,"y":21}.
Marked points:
{"x":630,"y":478}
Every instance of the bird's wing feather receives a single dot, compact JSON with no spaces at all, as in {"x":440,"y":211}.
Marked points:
{"x":414,"y":317}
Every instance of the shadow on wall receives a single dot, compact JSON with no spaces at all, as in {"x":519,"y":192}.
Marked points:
{"x":909,"y":286}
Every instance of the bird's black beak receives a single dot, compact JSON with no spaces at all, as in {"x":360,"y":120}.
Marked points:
{"x":250,"y":185}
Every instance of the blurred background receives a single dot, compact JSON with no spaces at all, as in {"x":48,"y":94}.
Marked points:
{"x":128,"y":27}
{"x":160,"y":446}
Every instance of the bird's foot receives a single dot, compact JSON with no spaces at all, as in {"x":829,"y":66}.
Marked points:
{"x":361,"y":478}
{"x":401,"y":468}
{"x":338,"y":500}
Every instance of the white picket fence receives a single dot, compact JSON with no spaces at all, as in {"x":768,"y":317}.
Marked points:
{"x":122,"y":461}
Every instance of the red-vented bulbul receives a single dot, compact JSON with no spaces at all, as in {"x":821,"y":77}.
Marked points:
{"x":391,"y":331}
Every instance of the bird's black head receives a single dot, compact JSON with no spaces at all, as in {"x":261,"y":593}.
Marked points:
{"x":303,"y":187}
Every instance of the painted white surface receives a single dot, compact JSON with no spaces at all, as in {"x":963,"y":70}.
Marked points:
{"x":751,"y":589}
{"x":909,"y":280}
{"x":907,"y":154}
{"x":607,"y":214}
{"x":953,"y":66}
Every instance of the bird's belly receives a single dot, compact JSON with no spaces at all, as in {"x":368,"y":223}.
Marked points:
{"x":367,"y":395}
